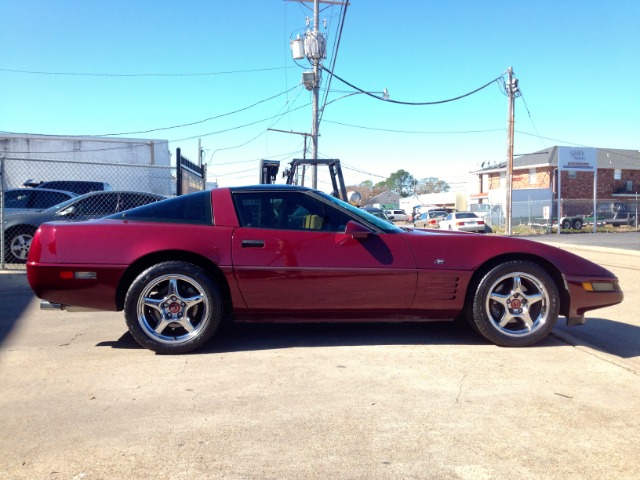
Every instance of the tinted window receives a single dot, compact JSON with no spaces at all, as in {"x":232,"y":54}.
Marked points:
{"x":132,"y":200}
{"x":99,"y":205}
{"x":191,"y":208}
{"x":79,"y":187}
{"x":44,"y":199}
{"x":360,"y":213}
{"x":287,"y":211}
{"x":16,"y":199}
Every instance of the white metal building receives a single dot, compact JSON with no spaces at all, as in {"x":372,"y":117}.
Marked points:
{"x":125,"y":163}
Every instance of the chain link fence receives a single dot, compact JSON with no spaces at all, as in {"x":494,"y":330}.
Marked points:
{"x":574,"y":213}
{"x":38,"y":190}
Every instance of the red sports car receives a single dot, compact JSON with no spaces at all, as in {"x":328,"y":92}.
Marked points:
{"x":291,"y":254}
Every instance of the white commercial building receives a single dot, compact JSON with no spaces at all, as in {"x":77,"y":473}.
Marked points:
{"x":125,"y":163}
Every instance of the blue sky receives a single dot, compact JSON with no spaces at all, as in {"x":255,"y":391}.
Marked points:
{"x":125,"y":67}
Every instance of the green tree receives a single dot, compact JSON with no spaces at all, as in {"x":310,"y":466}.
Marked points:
{"x":431,"y":185}
{"x":400,"y":182}
{"x":367,"y":190}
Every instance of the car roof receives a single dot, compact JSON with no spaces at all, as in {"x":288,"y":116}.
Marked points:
{"x":267,"y":187}
{"x":30,"y":189}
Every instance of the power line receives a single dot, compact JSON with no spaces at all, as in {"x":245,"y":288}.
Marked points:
{"x":95,"y":74}
{"x":159,"y":142}
{"x":199,"y":121}
{"x":415,"y":132}
{"x":437,"y":102}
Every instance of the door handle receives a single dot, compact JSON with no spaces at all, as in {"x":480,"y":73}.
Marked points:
{"x":252,"y":243}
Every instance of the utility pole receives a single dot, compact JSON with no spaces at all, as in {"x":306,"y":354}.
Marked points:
{"x":316,"y":96}
{"x":304,"y":151}
{"x":512,"y":91}
{"x":313,"y":47}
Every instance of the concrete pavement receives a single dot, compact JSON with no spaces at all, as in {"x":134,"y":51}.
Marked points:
{"x":81,"y":400}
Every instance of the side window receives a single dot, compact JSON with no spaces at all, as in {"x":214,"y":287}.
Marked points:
{"x":133,"y":200}
{"x":16,"y":199}
{"x":287,"y":211}
{"x":45,"y":199}
{"x":97,"y":205}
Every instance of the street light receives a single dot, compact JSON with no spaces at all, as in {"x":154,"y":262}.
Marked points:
{"x":384,"y":97}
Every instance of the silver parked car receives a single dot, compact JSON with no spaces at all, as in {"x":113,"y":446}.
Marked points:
{"x":430,"y":219}
{"x":397,"y":215}
{"x":19,"y":228}
{"x":33,"y":199}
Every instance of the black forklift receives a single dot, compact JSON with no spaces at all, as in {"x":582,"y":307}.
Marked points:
{"x":269,"y":171}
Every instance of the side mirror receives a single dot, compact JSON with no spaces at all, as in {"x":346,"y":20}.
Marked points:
{"x":357,"y":230}
{"x":67,"y":212}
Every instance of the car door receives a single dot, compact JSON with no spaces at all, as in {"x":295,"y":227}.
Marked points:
{"x":291,"y":254}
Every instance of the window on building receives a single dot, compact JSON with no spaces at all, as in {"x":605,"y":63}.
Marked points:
{"x":629,"y":184}
{"x":76,"y":145}
{"x":533,"y":177}
{"x":573,"y":174}
{"x":617,"y":174}
{"x":503,"y":179}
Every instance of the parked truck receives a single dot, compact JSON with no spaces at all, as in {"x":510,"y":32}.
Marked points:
{"x":609,"y":213}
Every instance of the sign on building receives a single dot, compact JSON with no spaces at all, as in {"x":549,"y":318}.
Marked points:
{"x":578,"y":158}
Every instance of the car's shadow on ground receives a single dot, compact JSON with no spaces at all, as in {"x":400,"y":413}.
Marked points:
{"x":15,"y":296}
{"x":609,"y":336}
{"x":272,"y":336}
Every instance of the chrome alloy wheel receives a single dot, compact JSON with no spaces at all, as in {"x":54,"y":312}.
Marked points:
{"x":518,"y":304}
{"x":19,"y":247}
{"x":173,"y":309}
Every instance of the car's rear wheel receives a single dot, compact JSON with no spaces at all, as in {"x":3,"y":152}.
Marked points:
{"x":173,"y":307}
{"x":17,"y":244}
{"x":515,"y":304}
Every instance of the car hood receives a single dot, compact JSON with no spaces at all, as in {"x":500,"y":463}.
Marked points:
{"x":467,"y":251}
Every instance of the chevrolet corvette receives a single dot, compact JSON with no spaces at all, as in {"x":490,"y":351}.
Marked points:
{"x":280,"y":253}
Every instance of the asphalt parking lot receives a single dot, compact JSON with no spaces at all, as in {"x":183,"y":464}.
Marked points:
{"x":81,"y":400}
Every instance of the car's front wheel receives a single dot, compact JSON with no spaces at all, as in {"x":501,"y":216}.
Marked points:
{"x":173,"y":307}
{"x":515,"y":304}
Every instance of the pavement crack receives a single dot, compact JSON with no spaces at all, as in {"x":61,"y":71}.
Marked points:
{"x":71,"y":341}
{"x":460,"y":387}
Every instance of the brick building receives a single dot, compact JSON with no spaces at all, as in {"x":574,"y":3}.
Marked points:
{"x":534,"y":177}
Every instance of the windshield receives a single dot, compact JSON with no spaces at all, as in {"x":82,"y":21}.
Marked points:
{"x":65,"y":203}
{"x":369,"y":218}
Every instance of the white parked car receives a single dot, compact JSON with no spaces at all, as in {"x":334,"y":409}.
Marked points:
{"x":397,"y":215}
{"x":463,"y":222}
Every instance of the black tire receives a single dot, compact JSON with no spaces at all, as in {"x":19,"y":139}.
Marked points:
{"x":514,"y":305}
{"x":17,"y":242}
{"x":566,"y":224}
{"x":173,"y":308}
{"x":577,"y":224}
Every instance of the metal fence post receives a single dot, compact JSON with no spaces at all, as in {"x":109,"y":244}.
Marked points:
{"x":2,"y":187}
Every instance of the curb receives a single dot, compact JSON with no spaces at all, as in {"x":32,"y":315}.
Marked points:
{"x":593,"y":350}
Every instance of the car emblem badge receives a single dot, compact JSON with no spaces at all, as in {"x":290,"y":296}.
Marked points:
{"x":439,"y":261}
{"x":515,"y":303}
